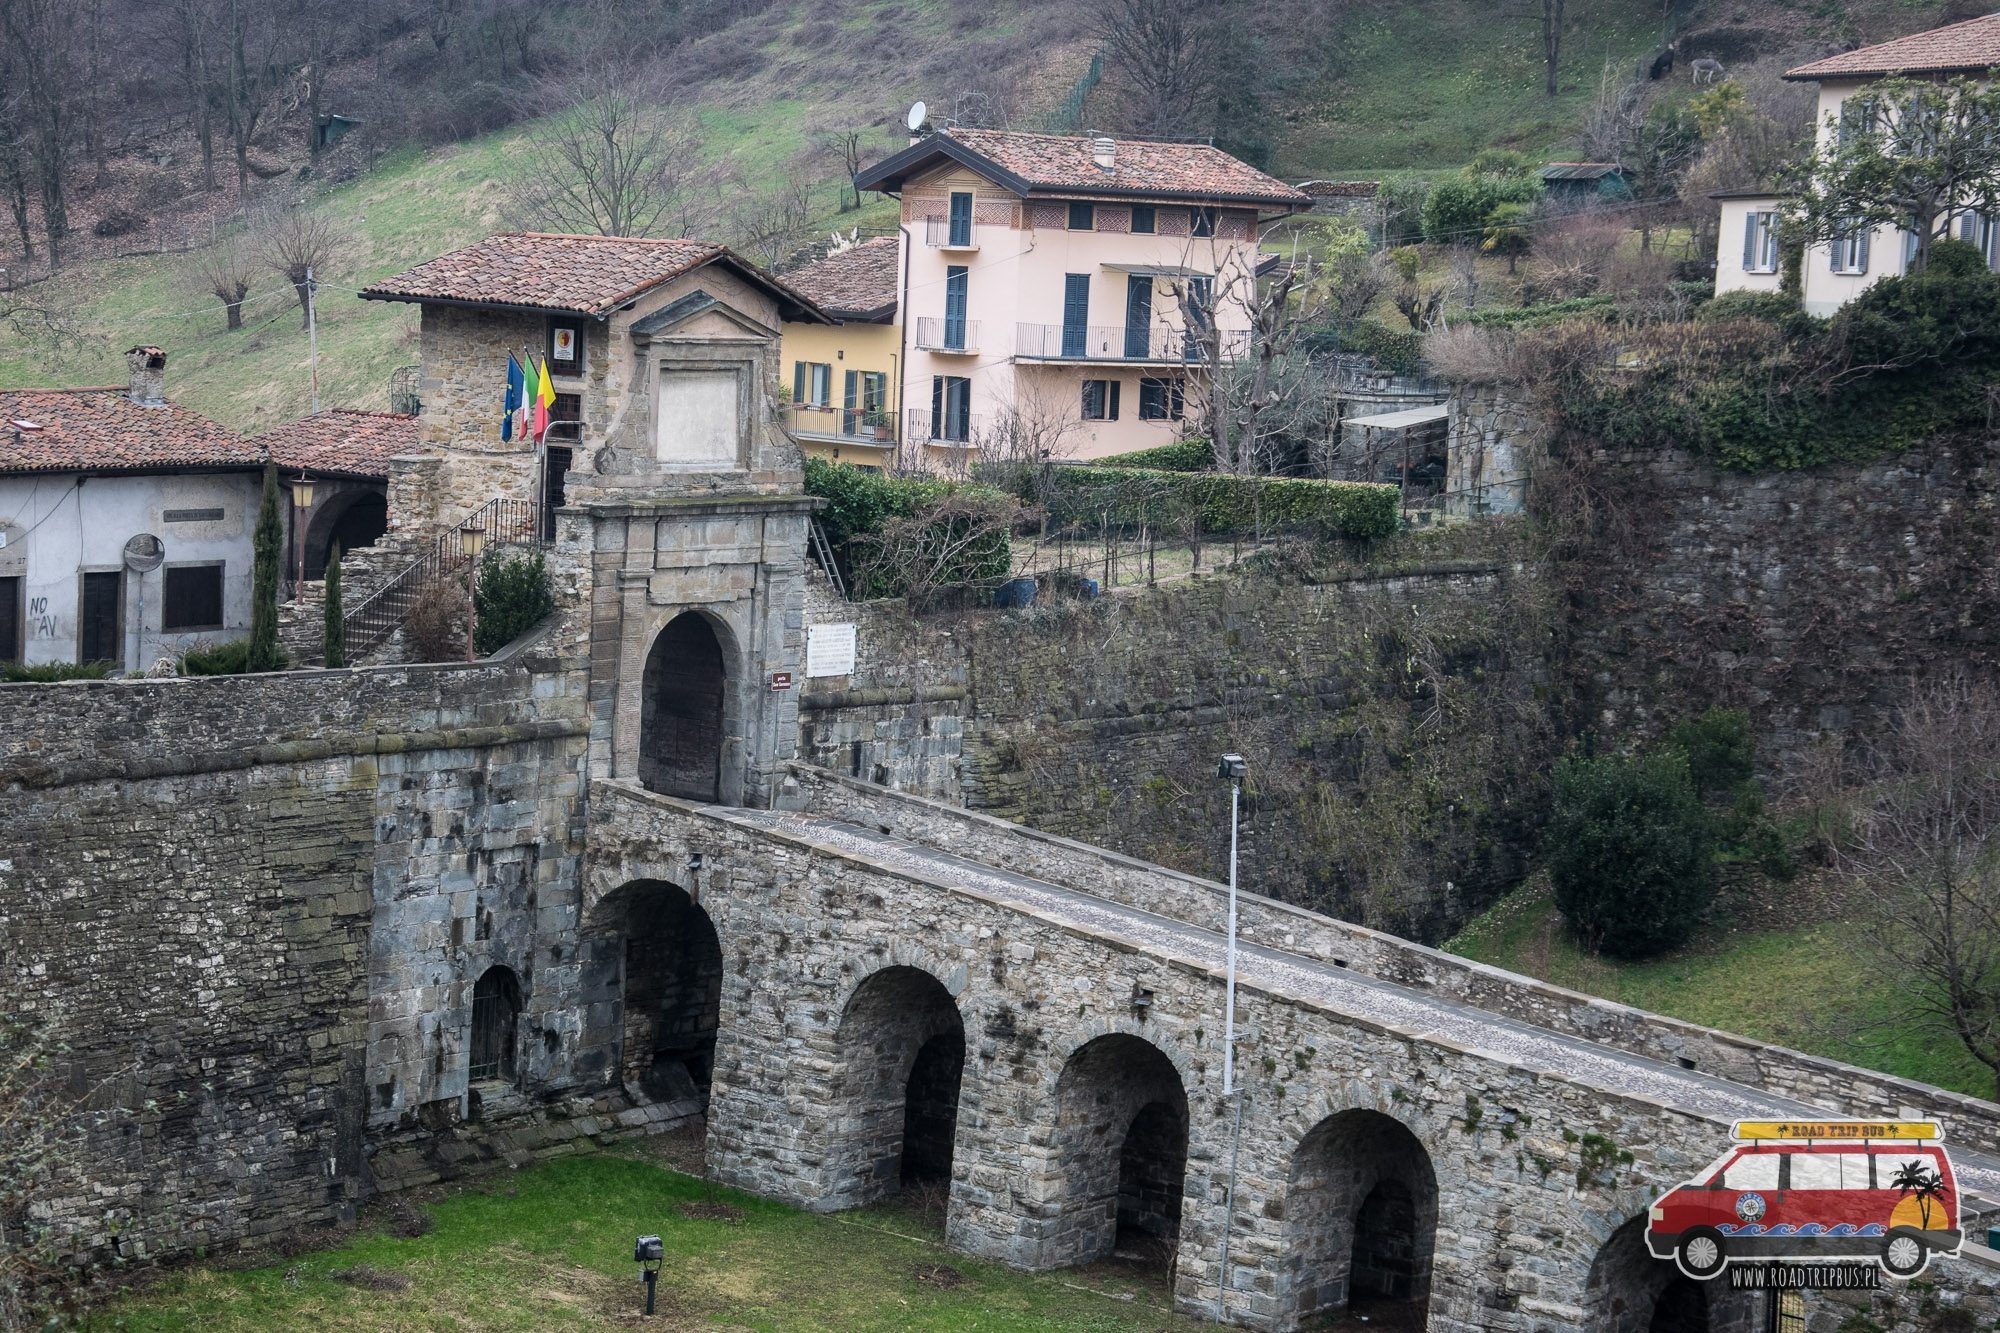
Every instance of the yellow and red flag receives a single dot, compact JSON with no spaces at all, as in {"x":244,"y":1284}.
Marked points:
{"x":545,"y":398}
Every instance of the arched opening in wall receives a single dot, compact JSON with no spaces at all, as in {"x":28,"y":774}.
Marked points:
{"x":681,"y":724}
{"x":1630,"y":1291}
{"x":356,"y":519}
{"x":1362,"y":1221}
{"x":1121,"y":1135}
{"x":902,"y":1053}
{"x":496,"y":1016}
{"x":672,"y":997}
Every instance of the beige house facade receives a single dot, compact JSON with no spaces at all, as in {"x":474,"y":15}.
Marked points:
{"x":1061,"y":295}
{"x":841,"y":383}
{"x":1834,"y":273}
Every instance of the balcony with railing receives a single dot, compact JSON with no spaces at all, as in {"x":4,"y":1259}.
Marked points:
{"x":1137,"y":345}
{"x":950,"y":234}
{"x":841,"y":425}
{"x":954,"y":430}
{"x":948,"y":335}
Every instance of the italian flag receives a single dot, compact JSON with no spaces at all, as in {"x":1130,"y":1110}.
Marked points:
{"x":545,"y":398}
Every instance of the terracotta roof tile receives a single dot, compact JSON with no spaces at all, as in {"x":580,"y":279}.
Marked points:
{"x":343,"y":440}
{"x":1063,"y":163}
{"x":855,"y":283}
{"x":103,"y":430}
{"x":593,"y":275}
{"x":1971,"y":45}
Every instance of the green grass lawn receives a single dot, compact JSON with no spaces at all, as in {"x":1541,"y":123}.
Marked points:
{"x":550,"y":1248}
{"x":1811,"y":986}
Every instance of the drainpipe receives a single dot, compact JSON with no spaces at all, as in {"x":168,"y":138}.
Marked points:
{"x":903,"y":335}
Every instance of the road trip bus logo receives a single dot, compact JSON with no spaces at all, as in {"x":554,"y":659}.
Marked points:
{"x":1840,"y":1196}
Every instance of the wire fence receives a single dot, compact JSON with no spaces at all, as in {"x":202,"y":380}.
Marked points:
{"x":1068,"y":114}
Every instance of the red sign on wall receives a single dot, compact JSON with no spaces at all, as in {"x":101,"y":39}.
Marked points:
{"x":781,"y":680}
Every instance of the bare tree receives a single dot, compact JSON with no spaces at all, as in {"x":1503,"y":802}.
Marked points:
{"x":1925,"y":846}
{"x":608,"y":156}
{"x":846,"y":145}
{"x":41,"y":38}
{"x":772,"y":225}
{"x":1552,"y":37}
{"x":1035,"y":426}
{"x":1161,"y":53}
{"x":223,"y":269}
{"x":16,"y":160}
{"x":297,"y":243}
{"x":193,"y":30}
{"x":252,"y":33}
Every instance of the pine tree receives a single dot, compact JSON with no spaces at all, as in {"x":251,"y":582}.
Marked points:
{"x":336,"y":633}
{"x":269,"y":546}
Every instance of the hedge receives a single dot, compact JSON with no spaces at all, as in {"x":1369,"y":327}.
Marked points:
{"x":860,"y":505}
{"x":1226,"y":503}
{"x":1180,"y":456}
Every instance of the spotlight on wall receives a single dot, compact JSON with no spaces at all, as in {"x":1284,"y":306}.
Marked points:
{"x":647,"y":1252}
{"x":1142,"y":1000}
{"x":695,"y":862}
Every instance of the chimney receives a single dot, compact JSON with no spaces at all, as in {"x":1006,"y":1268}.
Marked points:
{"x":147,"y":369}
{"x":1104,"y":152}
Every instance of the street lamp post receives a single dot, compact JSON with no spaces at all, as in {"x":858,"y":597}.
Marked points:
{"x":1233,"y":768}
{"x":471,"y":541}
{"x":302,"y":498}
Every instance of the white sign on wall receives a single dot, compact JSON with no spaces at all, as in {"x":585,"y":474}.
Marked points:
{"x":830,"y":650}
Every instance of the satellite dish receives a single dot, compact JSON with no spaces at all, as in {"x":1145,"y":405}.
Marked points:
{"x":916,"y":118}
{"x":144,"y":553}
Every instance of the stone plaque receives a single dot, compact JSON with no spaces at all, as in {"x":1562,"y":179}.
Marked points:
{"x":830,"y":650}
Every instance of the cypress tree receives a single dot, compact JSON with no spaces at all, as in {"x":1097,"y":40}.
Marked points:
{"x":336,"y":633}
{"x":269,"y":546}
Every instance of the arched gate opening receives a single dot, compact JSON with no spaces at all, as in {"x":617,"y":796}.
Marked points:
{"x":681,"y":714}
{"x":671,"y":991}
{"x":1362,"y":1204}
{"x":895,"y":1095}
{"x":1121,"y":1134}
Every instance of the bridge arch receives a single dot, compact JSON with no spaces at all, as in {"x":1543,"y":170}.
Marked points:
{"x":1629,"y":1291}
{"x":1361,"y":1208}
{"x":686,"y":708}
{"x":894,"y":1088}
{"x":657,"y":952}
{"x":1119,"y":1152}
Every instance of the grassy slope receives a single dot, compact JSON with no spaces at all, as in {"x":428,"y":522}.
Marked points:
{"x":1809,"y":986}
{"x":550,"y":1248}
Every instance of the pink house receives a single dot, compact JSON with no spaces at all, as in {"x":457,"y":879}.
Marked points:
{"x":1061,"y":294}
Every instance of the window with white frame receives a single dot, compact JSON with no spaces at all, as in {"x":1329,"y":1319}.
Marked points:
{"x":1978,"y":230}
{"x":1760,"y":242}
{"x":1850,"y":249}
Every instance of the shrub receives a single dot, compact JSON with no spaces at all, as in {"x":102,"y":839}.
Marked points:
{"x":1180,"y":456}
{"x":1401,"y":202}
{"x":1459,"y":205}
{"x":1629,"y":852}
{"x":434,"y":628}
{"x":1773,"y":307}
{"x":333,"y":627}
{"x":864,"y":511}
{"x":1398,"y":350}
{"x":1718,"y":750}
{"x":49,"y":672}
{"x":512,"y":597}
{"x":226,"y":659}
{"x":1533,"y":316}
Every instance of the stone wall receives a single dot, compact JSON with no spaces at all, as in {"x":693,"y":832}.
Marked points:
{"x":255,"y":907}
{"x":1808,"y":599}
{"x":1392,"y":715}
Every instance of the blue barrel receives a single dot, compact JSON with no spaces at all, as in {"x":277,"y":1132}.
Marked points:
{"x":1015,"y":592}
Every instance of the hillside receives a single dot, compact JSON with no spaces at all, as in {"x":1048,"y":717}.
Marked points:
{"x":1419,"y":85}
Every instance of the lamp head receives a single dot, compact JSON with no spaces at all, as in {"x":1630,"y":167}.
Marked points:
{"x":647,"y":1250}
{"x":1232,"y":768}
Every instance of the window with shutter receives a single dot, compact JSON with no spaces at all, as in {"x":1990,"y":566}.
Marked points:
{"x":954,"y":307}
{"x":1144,"y":219}
{"x":798,"y":381}
{"x":961,"y":218}
{"x":10,"y":619}
{"x":1138,"y":314}
{"x":1076,"y":313}
{"x":1160,"y":400}
{"x":1082,"y":217}
{"x":1201,"y":221}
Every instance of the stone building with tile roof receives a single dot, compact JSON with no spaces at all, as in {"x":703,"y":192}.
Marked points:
{"x":1060,"y":293}
{"x":1832,"y":274}
{"x":84,"y":473}
{"x":843,"y":379}
{"x":347,"y":453}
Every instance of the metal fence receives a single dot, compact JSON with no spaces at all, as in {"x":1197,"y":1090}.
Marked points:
{"x":501,"y":521}
{"x":947,"y":335}
{"x":1134,"y":343}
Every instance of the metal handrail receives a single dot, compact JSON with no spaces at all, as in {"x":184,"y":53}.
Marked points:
{"x":377,"y":616}
{"x":1157,"y":343}
{"x":947,"y":335}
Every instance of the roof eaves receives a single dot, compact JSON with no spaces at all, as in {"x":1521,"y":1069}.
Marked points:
{"x":901,"y":165}
{"x":371,"y":294}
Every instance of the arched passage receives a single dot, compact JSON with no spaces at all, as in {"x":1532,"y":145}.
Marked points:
{"x":354,"y":518}
{"x":1632,"y":1292}
{"x":496,"y":1013}
{"x":670,"y":969}
{"x":1121,"y":1142}
{"x":681,"y":713}
{"x":1362,"y":1220}
{"x":895,"y":1090}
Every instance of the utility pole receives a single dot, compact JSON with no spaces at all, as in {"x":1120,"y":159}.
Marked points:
{"x":1234,"y":768}
{"x":312,"y":336}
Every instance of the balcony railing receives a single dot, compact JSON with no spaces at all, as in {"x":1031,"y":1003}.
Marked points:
{"x":940,"y":233}
{"x":840,"y":424}
{"x":952,"y":428}
{"x":948,"y":335}
{"x":1156,"y":344}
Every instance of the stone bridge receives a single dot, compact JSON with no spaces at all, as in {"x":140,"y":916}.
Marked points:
{"x":881,"y":991}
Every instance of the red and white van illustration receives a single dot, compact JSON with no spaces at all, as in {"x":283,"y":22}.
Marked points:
{"x":1814,"y":1191}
